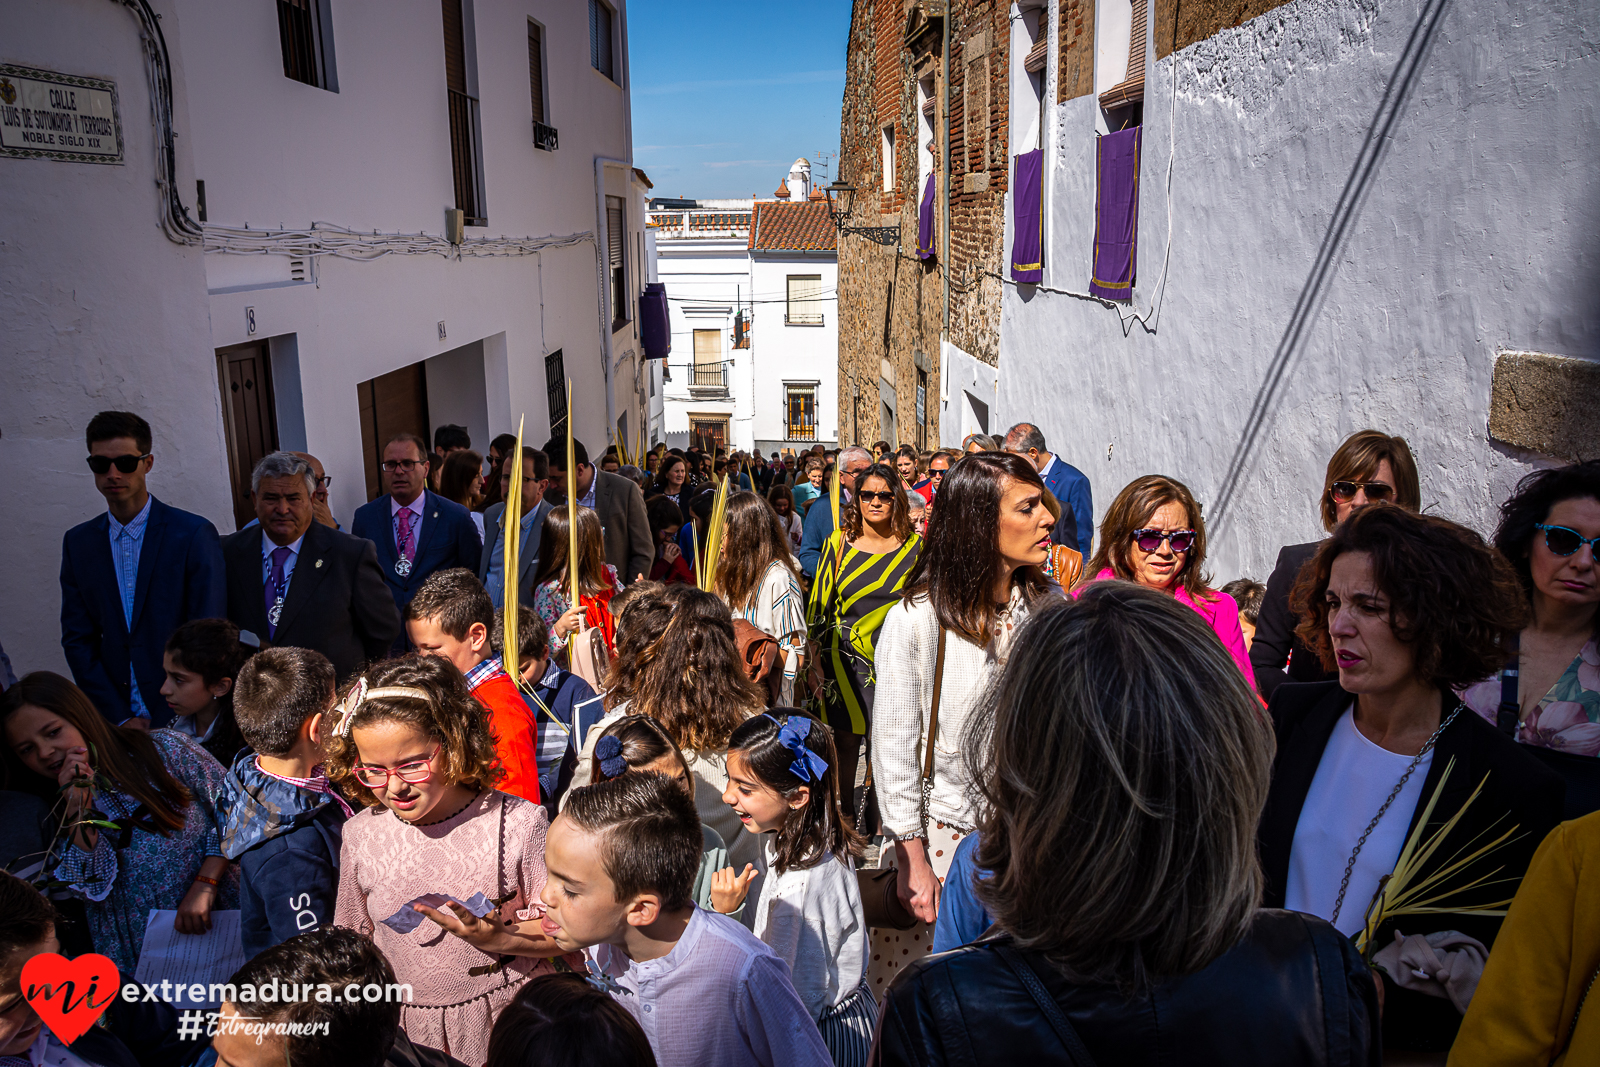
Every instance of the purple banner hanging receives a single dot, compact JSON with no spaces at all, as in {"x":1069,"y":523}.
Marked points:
{"x":1027,"y":215}
{"x":1116,"y":215}
{"x":925,"y":222}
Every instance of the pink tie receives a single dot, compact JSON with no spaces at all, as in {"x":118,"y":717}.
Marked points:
{"x":404,"y":542}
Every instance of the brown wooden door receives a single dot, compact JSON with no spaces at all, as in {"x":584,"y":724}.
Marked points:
{"x":391,"y":403}
{"x":245,"y":375}
{"x":708,"y":435}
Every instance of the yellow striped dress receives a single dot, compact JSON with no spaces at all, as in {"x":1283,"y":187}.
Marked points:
{"x":852,"y":593}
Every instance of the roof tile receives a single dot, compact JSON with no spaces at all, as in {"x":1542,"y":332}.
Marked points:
{"x":803,"y":226}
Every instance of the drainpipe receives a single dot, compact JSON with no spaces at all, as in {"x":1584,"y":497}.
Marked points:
{"x":602,"y":247}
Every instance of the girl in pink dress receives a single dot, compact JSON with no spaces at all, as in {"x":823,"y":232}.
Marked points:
{"x":411,"y":744}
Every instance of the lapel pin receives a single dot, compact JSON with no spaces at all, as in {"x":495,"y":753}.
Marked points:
{"x":319,"y":563}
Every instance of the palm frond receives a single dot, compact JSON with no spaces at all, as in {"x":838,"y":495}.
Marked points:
{"x":511,"y":528}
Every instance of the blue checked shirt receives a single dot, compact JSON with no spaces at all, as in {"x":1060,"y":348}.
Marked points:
{"x":484,"y":671}
{"x":126,"y":544}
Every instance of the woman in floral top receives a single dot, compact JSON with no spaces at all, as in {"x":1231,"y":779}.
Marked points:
{"x":158,"y":790}
{"x":597,"y":581}
{"x":1548,"y":531}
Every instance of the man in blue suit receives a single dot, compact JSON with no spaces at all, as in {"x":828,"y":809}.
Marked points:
{"x":416,"y":530}
{"x":1070,"y":486}
{"x":132,"y":576}
{"x":535,"y":470}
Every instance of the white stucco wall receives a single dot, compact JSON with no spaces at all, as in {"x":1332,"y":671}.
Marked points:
{"x":1321,"y":281}
{"x":101,"y":311}
{"x":802,"y":355}
{"x":706,"y":280}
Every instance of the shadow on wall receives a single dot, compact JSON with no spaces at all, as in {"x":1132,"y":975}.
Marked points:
{"x":1356,"y":187}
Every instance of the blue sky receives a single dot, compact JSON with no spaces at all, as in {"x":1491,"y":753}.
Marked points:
{"x":727,"y":95}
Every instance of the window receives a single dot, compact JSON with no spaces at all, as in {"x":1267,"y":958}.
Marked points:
{"x":1030,"y":39}
{"x":1119,"y":74}
{"x":305,"y":33}
{"x":600,"y":38}
{"x":888,"y":159}
{"x":466,"y":139}
{"x":805,"y":300}
{"x":536,"y":69}
{"x":800,"y":412}
{"x":555,"y":385}
{"x":925,"y":136}
{"x":617,"y":242}
{"x":922,"y":408}
{"x":708,"y":359}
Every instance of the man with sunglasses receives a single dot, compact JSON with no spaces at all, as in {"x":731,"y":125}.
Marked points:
{"x":131,"y":576}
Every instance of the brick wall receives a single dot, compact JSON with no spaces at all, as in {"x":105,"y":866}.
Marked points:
{"x":891,"y":305}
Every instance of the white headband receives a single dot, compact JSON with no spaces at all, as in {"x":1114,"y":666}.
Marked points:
{"x":360,"y":694}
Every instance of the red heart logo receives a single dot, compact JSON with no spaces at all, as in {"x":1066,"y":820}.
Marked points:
{"x":69,"y":995}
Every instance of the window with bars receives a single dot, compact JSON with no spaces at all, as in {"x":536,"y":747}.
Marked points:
{"x":800,"y":412}
{"x":466,"y":139}
{"x":805,"y":300}
{"x":305,"y":33}
{"x":555,"y":385}
{"x":601,"y":19}
{"x":922,"y":408}
{"x":617,"y":244}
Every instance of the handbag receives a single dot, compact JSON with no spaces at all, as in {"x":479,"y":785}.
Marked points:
{"x":880,"y":897}
{"x":588,"y":657}
{"x":760,"y":657}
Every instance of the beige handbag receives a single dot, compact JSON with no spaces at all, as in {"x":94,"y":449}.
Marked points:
{"x":587,"y":655}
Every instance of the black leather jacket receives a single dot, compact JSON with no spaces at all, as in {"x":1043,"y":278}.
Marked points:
{"x":1293,"y":992}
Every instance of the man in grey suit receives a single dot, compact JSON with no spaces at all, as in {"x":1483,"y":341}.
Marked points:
{"x":619,"y":503}
{"x":491,"y":567}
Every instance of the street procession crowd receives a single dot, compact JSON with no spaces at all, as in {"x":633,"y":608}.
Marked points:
{"x":869,"y":755}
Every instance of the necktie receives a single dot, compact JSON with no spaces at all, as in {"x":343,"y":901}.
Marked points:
{"x":403,"y":540}
{"x":275,"y":588}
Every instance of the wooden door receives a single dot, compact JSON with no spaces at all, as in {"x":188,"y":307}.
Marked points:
{"x":244,"y":373}
{"x":391,"y":403}
{"x":709,"y":434}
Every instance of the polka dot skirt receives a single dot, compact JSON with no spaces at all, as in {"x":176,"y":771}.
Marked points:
{"x":893,"y":949}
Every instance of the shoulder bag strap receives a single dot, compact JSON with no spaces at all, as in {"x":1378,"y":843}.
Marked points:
{"x":933,"y":730}
{"x":1077,"y":1054}
{"x":1509,"y":713}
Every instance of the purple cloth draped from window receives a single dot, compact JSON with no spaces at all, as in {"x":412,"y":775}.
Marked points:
{"x":655,"y":328}
{"x":1027,"y":213}
{"x":925,"y":222}
{"x":1116,"y":215}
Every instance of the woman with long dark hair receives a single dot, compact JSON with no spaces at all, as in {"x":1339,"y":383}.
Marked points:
{"x":673,"y":481}
{"x":976,"y":582}
{"x":759,"y":580}
{"x":597,"y":579}
{"x":158,"y":789}
{"x":1155,"y":535}
{"x":860,"y":574}
{"x":1548,"y":530}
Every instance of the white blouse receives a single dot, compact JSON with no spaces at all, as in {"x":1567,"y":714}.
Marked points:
{"x":813,"y":920}
{"x":780,"y":610}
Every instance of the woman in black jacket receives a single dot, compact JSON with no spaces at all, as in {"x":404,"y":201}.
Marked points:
{"x":1407,"y":607}
{"x":1123,"y":784}
{"x":1370,"y":466}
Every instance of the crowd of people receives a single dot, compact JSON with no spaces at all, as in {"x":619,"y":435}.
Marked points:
{"x":905,"y":762}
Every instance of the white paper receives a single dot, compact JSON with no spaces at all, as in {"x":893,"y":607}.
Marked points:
{"x":190,"y":961}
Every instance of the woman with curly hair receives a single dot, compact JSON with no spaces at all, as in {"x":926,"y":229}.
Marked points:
{"x":409,"y":742}
{"x":1407,"y":608}
{"x":759,"y":580}
{"x":1154,"y":534}
{"x":1549,"y":689}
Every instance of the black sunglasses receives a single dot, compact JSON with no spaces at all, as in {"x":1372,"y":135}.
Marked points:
{"x":1564,"y":542}
{"x":1344,"y":492}
{"x":870,"y":495}
{"x":126,"y":464}
{"x":1150,"y":540}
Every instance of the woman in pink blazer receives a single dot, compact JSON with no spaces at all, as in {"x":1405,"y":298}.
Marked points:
{"x":1154,"y":534}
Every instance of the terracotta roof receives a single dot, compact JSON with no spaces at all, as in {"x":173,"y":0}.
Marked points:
{"x":803,"y":226}
{"x":782,"y":190}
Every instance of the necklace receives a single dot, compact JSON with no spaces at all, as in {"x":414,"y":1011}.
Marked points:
{"x":1416,"y":761}
{"x":447,"y":818}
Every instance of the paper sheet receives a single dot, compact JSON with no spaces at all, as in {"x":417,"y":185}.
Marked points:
{"x":407,"y":918}
{"x":190,"y":961}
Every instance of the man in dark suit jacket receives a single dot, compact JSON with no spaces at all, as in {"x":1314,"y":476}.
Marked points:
{"x":416,"y":530}
{"x":535,"y":477}
{"x":1067,"y":483}
{"x":131,"y":576}
{"x":618,"y":502}
{"x":299,"y":583}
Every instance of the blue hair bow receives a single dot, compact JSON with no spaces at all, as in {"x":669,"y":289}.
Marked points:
{"x":792,"y":734}
{"x":608,"y":752}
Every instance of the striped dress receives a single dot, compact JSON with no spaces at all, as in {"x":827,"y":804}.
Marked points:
{"x":853,"y":592}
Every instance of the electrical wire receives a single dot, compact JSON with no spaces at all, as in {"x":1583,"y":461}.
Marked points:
{"x":327,"y":239}
{"x":175,"y":220}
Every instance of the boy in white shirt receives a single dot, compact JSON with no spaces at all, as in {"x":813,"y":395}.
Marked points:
{"x":622,"y":859}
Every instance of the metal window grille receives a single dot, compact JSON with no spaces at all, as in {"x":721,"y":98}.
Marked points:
{"x":800,"y":412}
{"x":555,"y":384}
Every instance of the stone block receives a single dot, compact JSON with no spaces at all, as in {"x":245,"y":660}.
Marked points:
{"x":975,"y":182}
{"x":1545,"y":403}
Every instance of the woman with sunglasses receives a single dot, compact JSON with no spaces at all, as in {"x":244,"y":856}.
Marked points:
{"x":1369,"y":466}
{"x":1550,"y":531}
{"x":410,"y":744}
{"x":1153,"y":534}
{"x":859,"y":576}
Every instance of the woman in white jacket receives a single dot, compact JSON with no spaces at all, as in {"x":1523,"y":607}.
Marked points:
{"x":979,"y":578}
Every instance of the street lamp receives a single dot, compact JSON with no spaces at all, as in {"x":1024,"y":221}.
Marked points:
{"x":841,"y":198}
